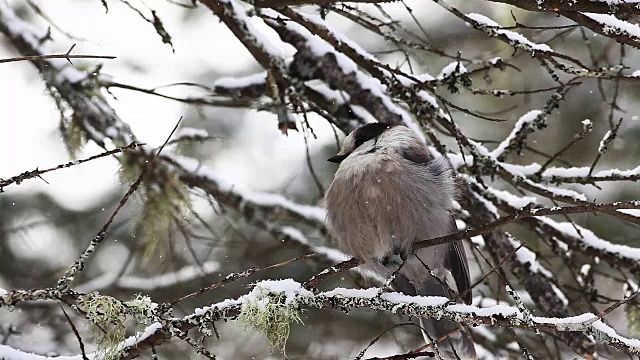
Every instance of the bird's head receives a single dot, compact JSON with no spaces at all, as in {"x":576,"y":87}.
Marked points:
{"x":364,"y":136}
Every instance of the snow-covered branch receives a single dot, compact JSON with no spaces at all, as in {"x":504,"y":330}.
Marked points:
{"x":313,"y":67}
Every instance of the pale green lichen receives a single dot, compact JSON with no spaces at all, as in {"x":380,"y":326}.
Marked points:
{"x":129,"y":168}
{"x":634,"y":318}
{"x":76,"y":139}
{"x":164,"y":202}
{"x":161,"y":209}
{"x":142,"y":309}
{"x":72,"y":133}
{"x":110,"y":317}
{"x":271,"y":316}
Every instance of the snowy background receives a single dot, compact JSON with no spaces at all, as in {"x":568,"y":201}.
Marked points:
{"x":44,"y":225}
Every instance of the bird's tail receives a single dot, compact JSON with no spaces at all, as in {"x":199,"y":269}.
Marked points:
{"x":453,"y":339}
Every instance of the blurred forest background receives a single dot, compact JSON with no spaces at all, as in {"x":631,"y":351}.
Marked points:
{"x":177,"y":59}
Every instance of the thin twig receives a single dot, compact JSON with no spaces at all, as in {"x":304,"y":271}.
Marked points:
{"x":37,"y":172}
{"x":76,"y":333}
{"x":66,"y":55}
{"x":235,"y":276}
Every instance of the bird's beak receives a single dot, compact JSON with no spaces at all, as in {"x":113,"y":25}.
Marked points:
{"x":337,"y":159}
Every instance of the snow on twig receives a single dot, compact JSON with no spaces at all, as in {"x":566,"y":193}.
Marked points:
{"x":420,"y":306}
{"x":305,"y":41}
{"x":517,"y":40}
{"x":581,"y":237}
{"x":613,"y":25}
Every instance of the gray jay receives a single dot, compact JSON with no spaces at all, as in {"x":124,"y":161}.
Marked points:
{"x":389,"y":192}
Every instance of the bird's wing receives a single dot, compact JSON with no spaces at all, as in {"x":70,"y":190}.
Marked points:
{"x":456,"y":258}
{"x":456,"y":262}
{"x":402,"y":284}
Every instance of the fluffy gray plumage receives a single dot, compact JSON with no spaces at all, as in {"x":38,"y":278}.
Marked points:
{"x":388,"y":193}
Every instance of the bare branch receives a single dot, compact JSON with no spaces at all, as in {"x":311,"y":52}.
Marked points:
{"x":66,"y":55}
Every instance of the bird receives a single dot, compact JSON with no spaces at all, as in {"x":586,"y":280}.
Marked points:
{"x":388,"y":192}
